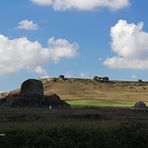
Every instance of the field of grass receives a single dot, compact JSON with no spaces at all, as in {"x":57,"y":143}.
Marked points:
{"x":74,"y":128}
{"x":102,"y":103}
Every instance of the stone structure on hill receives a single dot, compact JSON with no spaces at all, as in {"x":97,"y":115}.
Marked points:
{"x":32,"y":95}
{"x":32,"y":87}
{"x":140,"y":106}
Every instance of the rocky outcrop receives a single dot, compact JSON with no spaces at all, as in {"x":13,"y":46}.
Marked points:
{"x":52,"y":101}
{"x":140,"y":106}
{"x":31,"y":95}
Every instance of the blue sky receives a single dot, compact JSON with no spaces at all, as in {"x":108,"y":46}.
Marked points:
{"x":76,"y":38}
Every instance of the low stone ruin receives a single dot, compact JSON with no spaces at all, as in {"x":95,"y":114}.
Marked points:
{"x":140,"y":106}
{"x":32,"y":95}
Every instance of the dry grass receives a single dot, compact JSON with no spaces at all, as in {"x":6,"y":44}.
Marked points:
{"x":88,"y":89}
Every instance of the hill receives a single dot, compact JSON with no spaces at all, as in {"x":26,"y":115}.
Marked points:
{"x":88,"y":89}
{"x":73,"y":88}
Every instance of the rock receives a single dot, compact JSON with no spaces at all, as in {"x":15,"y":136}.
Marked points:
{"x":32,"y":87}
{"x":23,"y":101}
{"x":31,"y":95}
{"x":54,"y":101}
{"x":140,"y":106}
{"x":51,"y":102}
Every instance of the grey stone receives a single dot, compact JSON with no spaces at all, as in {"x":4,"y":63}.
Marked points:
{"x":140,"y":106}
{"x":32,"y":87}
{"x":31,"y":95}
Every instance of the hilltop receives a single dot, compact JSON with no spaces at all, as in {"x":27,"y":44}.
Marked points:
{"x":79,"y":89}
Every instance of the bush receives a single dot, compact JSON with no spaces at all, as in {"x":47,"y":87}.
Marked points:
{"x":139,"y":80}
{"x":95,"y":78}
{"x":62,"y":77}
{"x":124,"y":135}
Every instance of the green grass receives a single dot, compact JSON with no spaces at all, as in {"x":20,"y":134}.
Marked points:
{"x":101,"y":103}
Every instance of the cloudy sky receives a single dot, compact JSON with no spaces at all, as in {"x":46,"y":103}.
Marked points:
{"x":77,"y":38}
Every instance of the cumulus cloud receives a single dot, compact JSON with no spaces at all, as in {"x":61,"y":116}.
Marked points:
{"x":130,"y":43}
{"x":21,"y":53}
{"x":39,"y":70}
{"x":60,"y":48}
{"x":27,"y":25}
{"x":83,"y":4}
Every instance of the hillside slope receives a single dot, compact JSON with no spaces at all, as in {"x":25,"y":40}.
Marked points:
{"x":74,"y":89}
{"x":89,"y":89}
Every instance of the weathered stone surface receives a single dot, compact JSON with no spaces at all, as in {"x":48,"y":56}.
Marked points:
{"x":140,"y":106}
{"x":32,"y":87}
{"x":31,"y":95}
{"x":54,"y":101}
{"x":51,"y":102}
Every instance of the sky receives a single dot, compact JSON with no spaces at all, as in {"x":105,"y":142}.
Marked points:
{"x":76,"y":38}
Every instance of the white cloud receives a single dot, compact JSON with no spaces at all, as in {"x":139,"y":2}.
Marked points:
{"x":61,"y":48}
{"x":39,"y":70}
{"x":21,"y":53}
{"x":83,"y":4}
{"x":133,"y":76}
{"x":27,"y":25}
{"x":130,"y":43}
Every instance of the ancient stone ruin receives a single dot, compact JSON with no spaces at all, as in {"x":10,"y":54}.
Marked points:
{"x":32,"y":87}
{"x":140,"y":106}
{"x":32,"y":95}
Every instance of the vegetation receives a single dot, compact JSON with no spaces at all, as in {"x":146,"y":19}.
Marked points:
{"x":101,"y":117}
{"x":139,"y":80}
{"x":85,"y":89}
{"x":101,"y":103}
{"x":43,"y":128}
{"x":62,"y":77}
{"x":125,"y":135}
{"x":101,"y":79}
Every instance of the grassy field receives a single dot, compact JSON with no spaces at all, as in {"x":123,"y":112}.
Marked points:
{"x":74,"y":128}
{"x":101,"y":103}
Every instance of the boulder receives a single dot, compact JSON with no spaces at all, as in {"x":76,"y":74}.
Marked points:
{"x":32,"y":87}
{"x":54,"y":101}
{"x":140,"y":106}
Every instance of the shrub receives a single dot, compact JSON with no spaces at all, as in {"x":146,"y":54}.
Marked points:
{"x":139,"y":80}
{"x":62,"y":77}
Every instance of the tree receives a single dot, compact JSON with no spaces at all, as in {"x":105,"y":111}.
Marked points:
{"x":139,"y":80}
{"x":61,"y":77}
{"x":95,"y":78}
